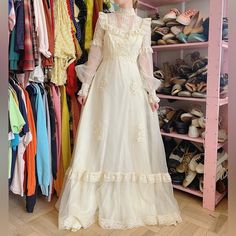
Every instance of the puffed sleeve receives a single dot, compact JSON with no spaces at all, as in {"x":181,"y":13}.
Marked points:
{"x":145,"y":63}
{"x":86,"y":72}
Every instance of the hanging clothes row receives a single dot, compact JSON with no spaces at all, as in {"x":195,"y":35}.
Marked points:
{"x":47,"y":39}
{"x":39,"y":139}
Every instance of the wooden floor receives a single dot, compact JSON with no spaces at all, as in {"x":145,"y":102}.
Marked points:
{"x":43,"y":222}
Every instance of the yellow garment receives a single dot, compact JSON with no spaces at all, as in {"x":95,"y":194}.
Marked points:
{"x":64,"y":53}
{"x":100,"y":4}
{"x":65,"y":130}
{"x":89,"y":24}
{"x":78,"y":51}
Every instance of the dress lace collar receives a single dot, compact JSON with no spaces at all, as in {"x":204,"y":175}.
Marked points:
{"x":126,"y":11}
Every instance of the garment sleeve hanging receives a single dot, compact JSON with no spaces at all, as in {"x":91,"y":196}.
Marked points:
{"x":87,"y":71}
{"x":145,"y":63}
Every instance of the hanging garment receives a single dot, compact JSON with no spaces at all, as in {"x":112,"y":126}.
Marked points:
{"x":53,"y":131}
{"x":20,"y":26}
{"x":17,"y":122}
{"x":65,"y":130}
{"x":64,"y":53}
{"x":57,"y":108}
{"x":95,"y":13}
{"x":17,"y":185}
{"x":42,"y":155}
{"x":89,"y":24}
{"x":100,"y":5}
{"x":48,"y":62}
{"x":30,"y":151}
{"x":119,"y":166}
{"x":27,"y":62}
{"x":13,"y":55}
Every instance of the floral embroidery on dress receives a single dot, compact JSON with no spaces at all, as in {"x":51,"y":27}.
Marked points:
{"x":134,"y":87}
{"x":103,"y":84}
{"x":98,"y":130}
{"x":140,"y":133}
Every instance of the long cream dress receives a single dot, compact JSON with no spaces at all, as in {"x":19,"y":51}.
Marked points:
{"x":118,"y":175}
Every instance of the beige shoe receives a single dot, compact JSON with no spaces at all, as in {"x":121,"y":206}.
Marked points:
{"x":188,"y":29}
{"x":186,"y":117}
{"x":183,"y":166}
{"x":222,"y":136}
{"x":197,"y":112}
{"x":196,"y":160}
{"x":193,"y":132}
{"x":189,"y":177}
{"x":198,"y":27}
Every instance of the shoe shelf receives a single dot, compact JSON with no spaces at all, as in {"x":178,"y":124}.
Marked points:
{"x":182,"y":136}
{"x":180,"y":46}
{"x":222,"y":101}
{"x":157,"y":3}
{"x":214,"y":48}
{"x":218,"y":196}
{"x":186,"y":137}
{"x":188,"y":190}
{"x":181,"y":98}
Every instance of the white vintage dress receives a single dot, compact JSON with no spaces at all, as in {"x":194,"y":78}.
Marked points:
{"x":118,"y":175}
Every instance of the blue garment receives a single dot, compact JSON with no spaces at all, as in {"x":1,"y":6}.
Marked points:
{"x":9,"y":6}
{"x":42,"y":154}
{"x":20,"y":26}
{"x":15,"y":141}
{"x":76,"y":24}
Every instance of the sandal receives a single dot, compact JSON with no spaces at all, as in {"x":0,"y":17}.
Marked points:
{"x":184,"y":94}
{"x":189,"y":28}
{"x":176,"y":89}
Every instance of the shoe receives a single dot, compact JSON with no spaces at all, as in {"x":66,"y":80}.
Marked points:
{"x":198,"y":95}
{"x":185,"y":18}
{"x":221,"y":173}
{"x":202,"y":122}
{"x":184,"y":94}
{"x":188,"y":155}
{"x":165,"y":91}
{"x":194,"y":184}
{"x":201,"y":183}
{"x":178,"y":80}
{"x":189,"y":177}
{"x":196,"y":112}
{"x":172,"y":23}
{"x":220,"y":186}
{"x":200,"y":167}
{"x":171,"y":15}
{"x":168,"y":127}
{"x":186,"y":117}
{"x":155,"y":36}
{"x":157,"y":23}
{"x":198,"y":61}
{"x":176,"y":89}
{"x":195,"y":38}
{"x":205,"y":26}
{"x":159,"y":74}
{"x":162,"y":31}
{"x":182,"y":37}
{"x":181,"y":127}
{"x":177,"y":29}
{"x":168,"y":36}
{"x":177,"y":178}
{"x":183,"y":68}
{"x":196,"y":160}
{"x":169,"y":145}
{"x":172,"y":41}
{"x":222,"y":136}
{"x":161,"y":42}
{"x":202,"y":87}
{"x":195,"y":122}
{"x":198,"y":28}
{"x":168,"y":74}
{"x":189,"y":27}
{"x":193,"y":132}
{"x":222,"y":156}
{"x":177,"y":154}
{"x":191,"y":85}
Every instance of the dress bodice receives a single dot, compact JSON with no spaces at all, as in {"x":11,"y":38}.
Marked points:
{"x":123,"y":35}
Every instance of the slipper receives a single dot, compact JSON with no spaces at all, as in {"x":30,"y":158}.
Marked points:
{"x":176,"y":89}
{"x":184,"y":94}
{"x":194,"y":38}
{"x":157,"y":23}
{"x":188,"y":28}
{"x":191,"y":87}
{"x":177,"y":29}
{"x":178,"y":80}
{"x":162,"y":31}
{"x":186,"y":117}
{"x":161,"y":42}
{"x":182,"y":37}
{"x":172,"y":41}
{"x":168,"y":36}
{"x":158,"y":74}
{"x":172,"y":23}
{"x":198,"y":95}
{"x":196,"y":111}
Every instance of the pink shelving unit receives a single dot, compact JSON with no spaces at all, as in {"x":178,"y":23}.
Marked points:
{"x":215,"y":48}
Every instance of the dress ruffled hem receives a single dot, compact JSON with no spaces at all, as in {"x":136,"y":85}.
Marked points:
{"x":94,"y":177}
{"x":72,"y":224}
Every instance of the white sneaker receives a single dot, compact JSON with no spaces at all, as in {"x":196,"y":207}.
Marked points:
{"x":193,"y":132}
{"x":196,"y":160}
{"x":189,"y":178}
{"x":171,"y":15}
